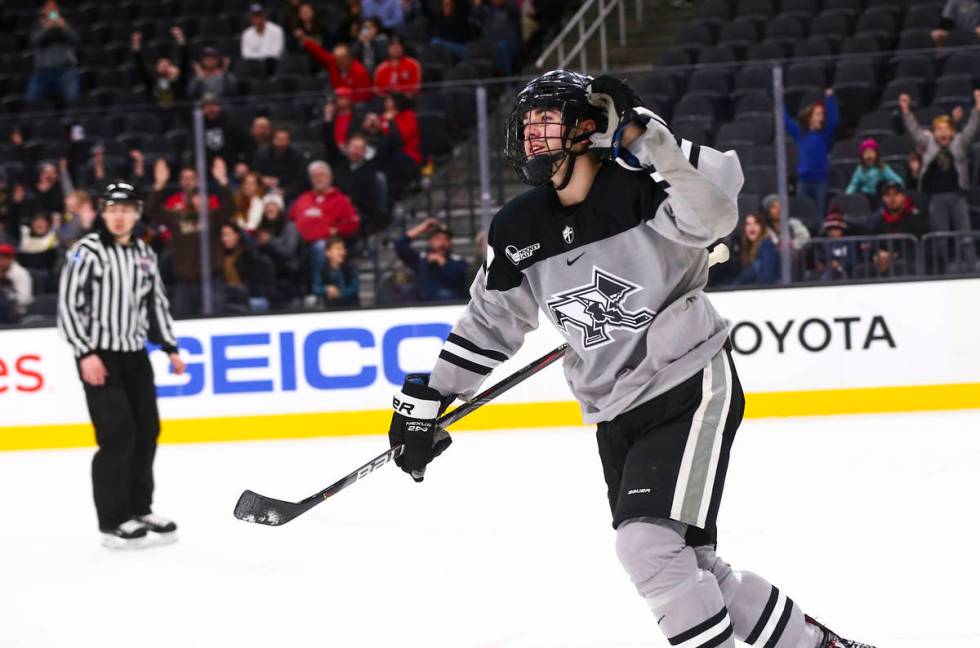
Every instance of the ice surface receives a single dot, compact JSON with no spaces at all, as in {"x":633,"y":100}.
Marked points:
{"x":869,"y":522}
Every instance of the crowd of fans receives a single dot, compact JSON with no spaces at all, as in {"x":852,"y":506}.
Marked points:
{"x":929,"y":197}
{"x":286,"y":217}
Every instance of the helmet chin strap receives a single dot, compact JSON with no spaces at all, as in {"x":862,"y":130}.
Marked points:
{"x":570,"y":156}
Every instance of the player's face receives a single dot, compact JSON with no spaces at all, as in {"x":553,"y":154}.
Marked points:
{"x":542,"y":132}
{"x":120,"y":218}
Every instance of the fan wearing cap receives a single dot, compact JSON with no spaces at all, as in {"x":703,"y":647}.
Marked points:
{"x":111,"y":302}
{"x":610,"y":244}
{"x":897,"y":214}
{"x":835,"y":260}
{"x":871,"y":171}
{"x":440,"y":275}
{"x":264,"y":40}
{"x":211,"y":76}
{"x":16,"y":286}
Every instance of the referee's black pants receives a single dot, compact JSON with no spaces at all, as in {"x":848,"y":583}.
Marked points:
{"x":127,"y":424}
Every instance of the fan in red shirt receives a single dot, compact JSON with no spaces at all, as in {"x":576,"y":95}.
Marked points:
{"x":398,"y":73}
{"x":324,"y":211}
{"x":339,"y":111}
{"x":345,"y":71}
{"x":181,"y":201}
{"x":398,"y":111}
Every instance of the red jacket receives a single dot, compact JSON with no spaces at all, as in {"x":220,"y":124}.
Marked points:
{"x":320,"y":216}
{"x":408,"y":127}
{"x":341,"y":126}
{"x":403,"y":75}
{"x":357,"y":78}
{"x":178,"y":202}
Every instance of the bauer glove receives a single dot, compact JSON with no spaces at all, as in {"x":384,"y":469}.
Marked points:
{"x":413,"y":424}
{"x":623,"y":107}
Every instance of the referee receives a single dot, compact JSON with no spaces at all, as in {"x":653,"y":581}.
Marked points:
{"x":110,"y":301}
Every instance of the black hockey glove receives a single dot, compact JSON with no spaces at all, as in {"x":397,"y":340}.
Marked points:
{"x":414,"y":424}
{"x":618,"y":100}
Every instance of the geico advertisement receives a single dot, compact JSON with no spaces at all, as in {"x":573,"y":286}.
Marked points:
{"x":784,"y":340}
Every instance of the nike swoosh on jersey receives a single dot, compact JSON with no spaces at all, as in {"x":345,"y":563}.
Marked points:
{"x":571,"y":261}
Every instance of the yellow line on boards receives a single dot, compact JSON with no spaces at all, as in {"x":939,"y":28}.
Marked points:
{"x":505,"y":415}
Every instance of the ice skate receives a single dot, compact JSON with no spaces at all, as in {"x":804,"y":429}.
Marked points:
{"x":131,"y":534}
{"x":832,"y":640}
{"x":162,"y":531}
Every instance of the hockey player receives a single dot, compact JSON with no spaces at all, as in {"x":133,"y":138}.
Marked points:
{"x":611,"y":245}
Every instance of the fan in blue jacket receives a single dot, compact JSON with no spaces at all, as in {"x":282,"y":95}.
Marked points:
{"x":814,"y":135}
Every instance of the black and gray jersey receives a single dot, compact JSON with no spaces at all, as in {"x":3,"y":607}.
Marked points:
{"x":620,"y":275}
{"x":111,"y":298}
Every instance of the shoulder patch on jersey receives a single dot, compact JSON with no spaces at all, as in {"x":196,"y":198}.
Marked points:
{"x":597,"y":307}
{"x":516,"y":256}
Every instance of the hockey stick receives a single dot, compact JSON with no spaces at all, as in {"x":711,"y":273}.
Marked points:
{"x":252,"y":507}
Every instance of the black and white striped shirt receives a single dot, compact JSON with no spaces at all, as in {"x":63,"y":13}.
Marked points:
{"x":111,"y":298}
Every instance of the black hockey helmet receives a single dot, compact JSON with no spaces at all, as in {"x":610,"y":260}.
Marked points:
{"x":120,"y":192}
{"x":561,"y":90}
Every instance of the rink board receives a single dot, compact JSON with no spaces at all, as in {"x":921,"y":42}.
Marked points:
{"x":799,"y":351}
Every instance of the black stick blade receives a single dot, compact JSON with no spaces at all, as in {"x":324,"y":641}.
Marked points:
{"x":259,"y":509}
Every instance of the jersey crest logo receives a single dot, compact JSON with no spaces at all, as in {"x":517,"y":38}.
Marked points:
{"x":597,"y":307}
{"x":516,"y":256}
{"x":568,"y":234}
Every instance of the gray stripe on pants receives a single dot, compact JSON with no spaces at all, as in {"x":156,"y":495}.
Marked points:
{"x":711,"y":426}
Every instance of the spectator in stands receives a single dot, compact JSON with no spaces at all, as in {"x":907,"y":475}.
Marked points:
{"x":39,"y":244}
{"x":387,"y":12}
{"x":264,"y":40}
{"x":359,"y":178}
{"x":440,"y":275}
{"x":47,"y":191}
{"x":913,"y":169}
{"x":320,"y":214}
{"x":180,"y":221}
{"x":499,"y":21}
{"x":280,"y":241}
{"x":222,"y":136}
{"x":814,"y":135}
{"x":78,"y":218}
{"x":9,"y":217}
{"x":347,"y":27}
{"x":944,"y":176}
{"x":772,"y":208}
{"x":371,"y":46}
{"x":341,"y":285}
{"x":281,"y":164}
{"x":897,"y":214}
{"x":248,"y":202}
{"x":53,"y":42}
{"x":211,"y":76}
{"x":344,"y":70}
{"x":187,"y":194}
{"x":166,"y":79}
{"x":307,"y":21}
{"x":449,"y":26}
{"x":339,"y":110}
{"x":95,"y":173}
{"x":248,"y":276}
{"x":962,"y":15}
{"x":834,"y":260}
{"x":759,"y":256}
{"x":260,"y":136}
{"x":386,"y":147}
{"x":398,"y":73}
{"x":871,"y":172}
{"x":16,"y":286}
{"x":399,"y":114}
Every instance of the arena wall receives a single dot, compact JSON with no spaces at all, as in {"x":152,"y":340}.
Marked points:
{"x":800,"y":352}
